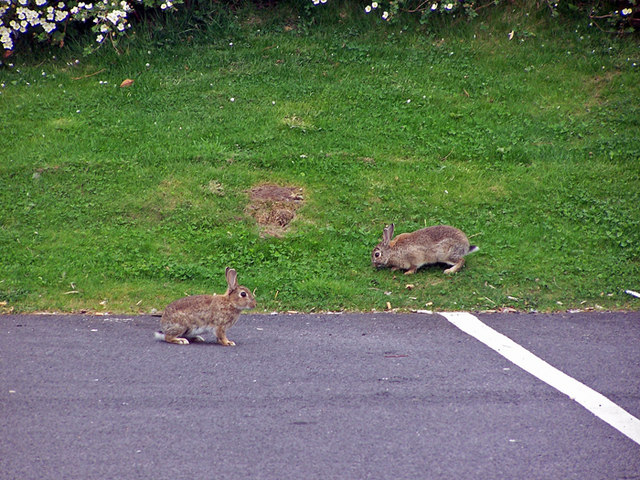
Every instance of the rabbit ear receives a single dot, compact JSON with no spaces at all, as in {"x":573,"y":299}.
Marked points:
{"x":232,"y":278}
{"x":387,"y":234}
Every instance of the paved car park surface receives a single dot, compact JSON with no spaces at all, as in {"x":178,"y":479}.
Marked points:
{"x":380,"y":396}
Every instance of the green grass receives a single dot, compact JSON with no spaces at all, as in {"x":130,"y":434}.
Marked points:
{"x":123,"y":199}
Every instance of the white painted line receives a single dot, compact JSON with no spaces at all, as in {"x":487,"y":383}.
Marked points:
{"x":593,"y":401}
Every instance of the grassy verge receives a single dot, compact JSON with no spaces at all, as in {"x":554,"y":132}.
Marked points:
{"x":122,"y":199}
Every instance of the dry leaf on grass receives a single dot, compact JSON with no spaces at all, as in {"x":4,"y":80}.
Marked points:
{"x":126,"y":83}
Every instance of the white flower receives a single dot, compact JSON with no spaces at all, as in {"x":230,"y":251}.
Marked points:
{"x":627,"y":11}
{"x":316,"y":2}
{"x":385,"y":15}
{"x":48,"y":27}
{"x":5,"y":39}
{"x":114,"y":16}
{"x":374,"y":5}
{"x":434,"y":6}
{"x":40,"y":2}
{"x":100,"y":38}
{"x":163,"y":6}
{"x":367,"y":8}
{"x":449,"y":6}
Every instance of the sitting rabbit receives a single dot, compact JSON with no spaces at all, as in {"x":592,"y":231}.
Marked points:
{"x":185,"y":318}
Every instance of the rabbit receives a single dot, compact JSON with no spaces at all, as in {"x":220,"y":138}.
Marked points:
{"x":185,"y":318}
{"x":410,"y":251}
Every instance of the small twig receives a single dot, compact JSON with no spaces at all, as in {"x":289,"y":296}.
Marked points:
{"x":596,"y":23}
{"x":417,"y":9}
{"x":87,"y":76}
{"x":113,"y":43}
{"x":600,"y":17}
{"x":447,"y":155}
{"x":484,"y":6}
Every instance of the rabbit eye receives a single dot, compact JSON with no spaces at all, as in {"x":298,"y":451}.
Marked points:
{"x":377,"y":254}
{"x":243,"y":294}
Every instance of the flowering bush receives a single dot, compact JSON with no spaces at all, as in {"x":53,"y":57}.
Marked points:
{"x":389,"y":8}
{"x":48,"y":19}
{"x":620,"y":14}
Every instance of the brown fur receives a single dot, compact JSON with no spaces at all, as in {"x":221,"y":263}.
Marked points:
{"x":185,"y":318}
{"x":410,"y":251}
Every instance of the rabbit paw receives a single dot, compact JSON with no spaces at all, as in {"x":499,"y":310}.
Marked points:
{"x":227,"y":343}
{"x":455,"y":268}
{"x":197,"y":339}
{"x":177,"y":340}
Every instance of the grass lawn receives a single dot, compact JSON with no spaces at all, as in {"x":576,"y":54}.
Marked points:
{"x":123,"y":199}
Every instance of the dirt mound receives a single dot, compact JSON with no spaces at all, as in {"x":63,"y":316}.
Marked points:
{"x":274,"y":207}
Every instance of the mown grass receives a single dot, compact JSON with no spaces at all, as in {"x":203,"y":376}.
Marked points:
{"x":123,"y":199}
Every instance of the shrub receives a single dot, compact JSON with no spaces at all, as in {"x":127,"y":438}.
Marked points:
{"x":619,"y":15}
{"x":48,"y":20}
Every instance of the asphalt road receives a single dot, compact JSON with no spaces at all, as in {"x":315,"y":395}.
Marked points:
{"x":379,"y":396}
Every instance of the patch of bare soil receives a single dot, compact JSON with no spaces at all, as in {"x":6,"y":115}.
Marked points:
{"x":274,"y":207}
